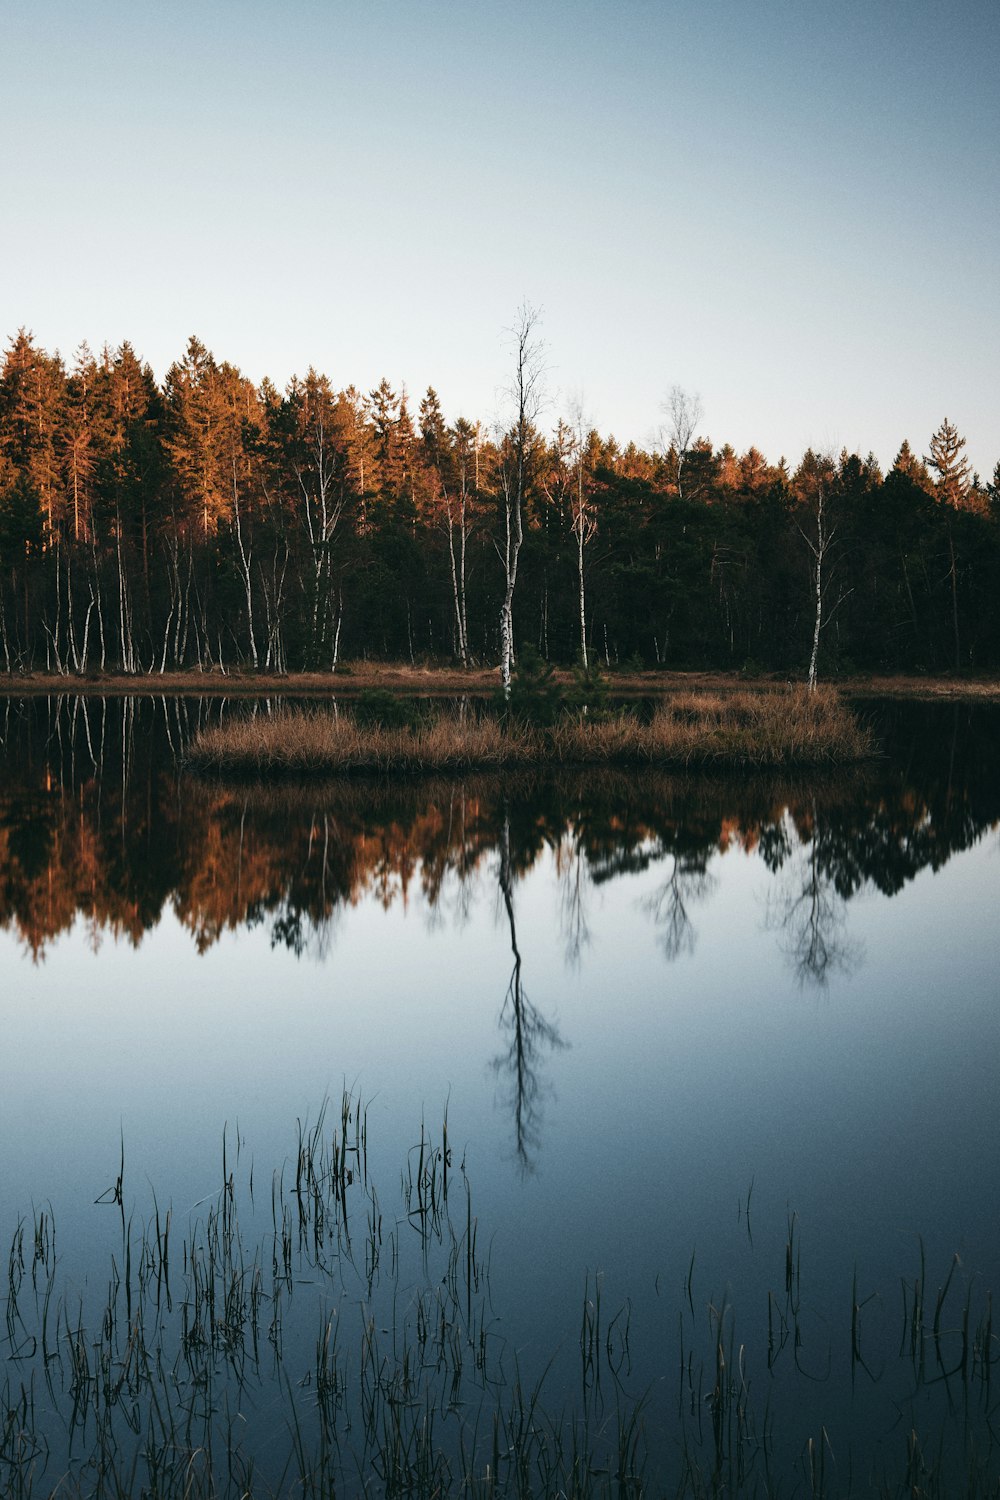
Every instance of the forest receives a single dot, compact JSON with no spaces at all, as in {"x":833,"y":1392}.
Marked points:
{"x":209,"y":523}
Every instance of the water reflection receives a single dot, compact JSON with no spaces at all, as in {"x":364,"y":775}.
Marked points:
{"x":528,"y":1035}
{"x":98,"y":823}
{"x":807,"y":910}
{"x":670,"y":905}
{"x":688,"y":1083}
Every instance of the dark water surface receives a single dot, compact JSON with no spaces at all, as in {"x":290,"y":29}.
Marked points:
{"x":711,"y":1062}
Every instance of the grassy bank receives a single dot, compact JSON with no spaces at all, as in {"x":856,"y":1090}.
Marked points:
{"x":443,"y":680}
{"x":770,"y":728}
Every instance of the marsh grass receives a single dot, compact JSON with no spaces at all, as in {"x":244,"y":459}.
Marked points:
{"x":761,"y":730}
{"x":185,"y":1373}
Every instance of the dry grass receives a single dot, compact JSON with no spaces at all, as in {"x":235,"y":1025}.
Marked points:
{"x":774,"y":728}
{"x":354,"y":678}
{"x":307,"y":741}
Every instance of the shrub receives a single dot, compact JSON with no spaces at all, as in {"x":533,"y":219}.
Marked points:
{"x":535,"y":696}
{"x":589,"y":694}
{"x":377,"y":708}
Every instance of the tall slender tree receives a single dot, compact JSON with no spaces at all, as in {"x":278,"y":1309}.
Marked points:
{"x":318,"y":461}
{"x":584,"y":514}
{"x":951,"y":466}
{"x":953,"y":486}
{"x":514,"y":470}
{"x":814,"y":482}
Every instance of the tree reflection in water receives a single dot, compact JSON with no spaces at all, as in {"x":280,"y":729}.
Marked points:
{"x":808,"y":913}
{"x":573,"y":874}
{"x":689,"y":881}
{"x":99,"y":824}
{"x":97,"y":821}
{"x":529,"y":1034}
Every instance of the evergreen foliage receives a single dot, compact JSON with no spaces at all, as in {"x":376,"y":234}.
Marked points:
{"x":535,"y":696}
{"x":209,"y":523}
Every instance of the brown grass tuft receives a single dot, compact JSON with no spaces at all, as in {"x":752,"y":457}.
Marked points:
{"x":773,"y":728}
{"x":305,"y":741}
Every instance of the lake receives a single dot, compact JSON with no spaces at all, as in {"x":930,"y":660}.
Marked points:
{"x":535,"y":1135}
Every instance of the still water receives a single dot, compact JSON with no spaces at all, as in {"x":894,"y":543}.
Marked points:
{"x":705,"y":1070}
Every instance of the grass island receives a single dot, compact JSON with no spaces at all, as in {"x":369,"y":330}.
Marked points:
{"x":762,"y":728}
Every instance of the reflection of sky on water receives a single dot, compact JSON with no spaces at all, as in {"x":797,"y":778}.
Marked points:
{"x":701,"y":1056}
{"x":696,"y":1074}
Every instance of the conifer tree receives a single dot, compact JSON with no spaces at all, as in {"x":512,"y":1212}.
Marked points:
{"x":911,"y":467}
{"x":950,"y":465}
{"x":953,"y":486}
{"x":196,"y":437}
{"x":80,"y":442}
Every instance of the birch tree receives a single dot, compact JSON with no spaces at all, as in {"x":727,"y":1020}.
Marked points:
{"x":683,"y":412}
{"x":318,"y":466}
{"x":513,"y":471}
{"x":243,"y":426}
{"x":815,"y":477}
{"x":451,"y":451}
{"x":584,"y":520}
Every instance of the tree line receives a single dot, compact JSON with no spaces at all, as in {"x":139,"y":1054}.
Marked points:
{"x":211,"y":523}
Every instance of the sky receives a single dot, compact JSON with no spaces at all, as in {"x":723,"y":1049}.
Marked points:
{"x":788,"y":207}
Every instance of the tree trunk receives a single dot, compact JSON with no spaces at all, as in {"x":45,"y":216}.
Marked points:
{"x":245,"y":557}
{"x":953,"y":574}
{"x":818,"y":554}
{"x":513,"y":478}
{"x":456,"y":592}
{"x":583,"y":600}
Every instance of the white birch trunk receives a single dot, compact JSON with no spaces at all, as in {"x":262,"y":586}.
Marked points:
{"x":246,"y":557}
{"x":818,"y":553}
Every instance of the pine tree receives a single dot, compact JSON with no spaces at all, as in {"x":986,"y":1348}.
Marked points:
{"x":951,"y":467}
{"x":80,"y":443}
{"x":953,"y":488}
{"x":907,"y":464}
{"x":32,"y":401}
{"x":196,"y":439}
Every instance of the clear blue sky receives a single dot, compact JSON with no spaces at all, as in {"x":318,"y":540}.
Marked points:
{"x":789,"y":206}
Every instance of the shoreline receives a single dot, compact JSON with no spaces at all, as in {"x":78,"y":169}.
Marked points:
{"x":450,"y":682}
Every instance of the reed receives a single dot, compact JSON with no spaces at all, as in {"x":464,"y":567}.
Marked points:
{"x":396,"y":1379}
{"x":766,"y":729}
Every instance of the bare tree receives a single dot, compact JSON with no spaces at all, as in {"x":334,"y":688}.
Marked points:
{"x":819,"y":549}
{"x":683,"y":411}
{"x":584,"y":521}
{"x":818,"y":473}
{"x":513,"y":470}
